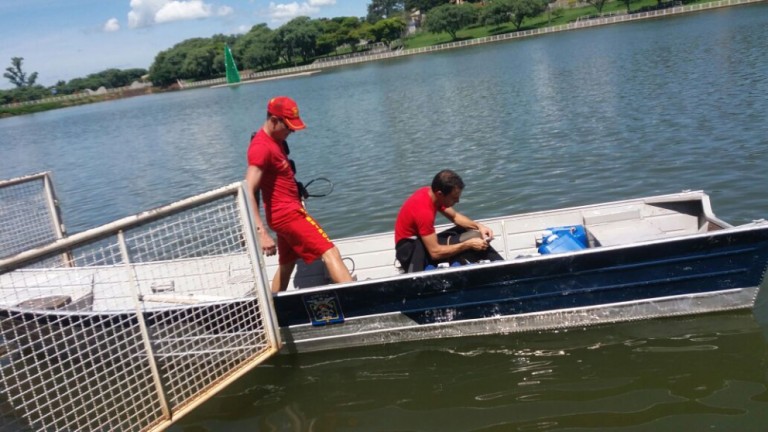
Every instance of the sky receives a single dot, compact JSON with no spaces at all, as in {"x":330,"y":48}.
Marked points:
{"x":62,"y":40}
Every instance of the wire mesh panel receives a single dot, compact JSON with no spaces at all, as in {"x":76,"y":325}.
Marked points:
{"x":28,"y":214}
{"x":151,"y":316}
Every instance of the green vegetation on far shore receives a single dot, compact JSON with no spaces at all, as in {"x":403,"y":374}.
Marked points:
{"x":549,"y":18}
{"x":31,"y":108}
{"x":46,"y":106}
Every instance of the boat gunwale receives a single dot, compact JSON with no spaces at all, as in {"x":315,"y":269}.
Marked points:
{"x":753,"y":226}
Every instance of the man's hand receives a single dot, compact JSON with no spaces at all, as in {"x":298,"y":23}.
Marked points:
{"x":486,"y":232}
{"x":477,"y":244}
{"x":267,"y":243}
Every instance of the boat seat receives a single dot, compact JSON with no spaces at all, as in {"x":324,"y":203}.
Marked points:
{"x":604,"y":216}
{"x":624,"y":232}
{"x":51,"y":302}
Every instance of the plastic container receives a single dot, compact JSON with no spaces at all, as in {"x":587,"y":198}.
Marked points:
{"x":442,"y":265}
{"x":561,"y":244}
{"x":577,"y":232}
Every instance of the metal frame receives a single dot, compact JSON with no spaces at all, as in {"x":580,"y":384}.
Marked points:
{"x":51,"y":207}
{"x":176,"y":355}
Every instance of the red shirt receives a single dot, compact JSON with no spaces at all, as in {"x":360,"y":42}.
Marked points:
{"x":417,"y":216}
{"x":278,"y":184}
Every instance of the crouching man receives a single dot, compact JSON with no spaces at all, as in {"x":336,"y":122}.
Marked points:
{"x":416,"y":242}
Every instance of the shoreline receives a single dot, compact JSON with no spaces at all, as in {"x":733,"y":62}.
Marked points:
{"x":258,"y":80}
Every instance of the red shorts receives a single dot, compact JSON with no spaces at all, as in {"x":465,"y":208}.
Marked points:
{"x":301,"y":237}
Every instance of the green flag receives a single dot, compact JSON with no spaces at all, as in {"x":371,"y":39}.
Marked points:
{"x":233,"y":76}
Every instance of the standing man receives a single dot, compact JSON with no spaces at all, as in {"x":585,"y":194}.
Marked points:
{"x":270,"y":172}
{"x":416,"y":242}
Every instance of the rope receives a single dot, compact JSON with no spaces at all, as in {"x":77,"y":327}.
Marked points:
{"x":319,"y":195}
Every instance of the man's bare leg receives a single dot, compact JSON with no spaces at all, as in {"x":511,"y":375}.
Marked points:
{"x":282,"y":277}
{"x":336,"y":268}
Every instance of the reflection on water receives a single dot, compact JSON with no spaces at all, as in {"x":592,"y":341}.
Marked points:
{"x":657,"y":375}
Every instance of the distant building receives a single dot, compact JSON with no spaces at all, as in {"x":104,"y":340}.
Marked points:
{"x":414,"y":21}
{"x":100,"y":91}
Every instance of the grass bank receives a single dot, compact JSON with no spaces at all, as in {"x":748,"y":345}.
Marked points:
{"x":547,"y":19}
{"x":43,"y":106}
{"x":33,"y":107}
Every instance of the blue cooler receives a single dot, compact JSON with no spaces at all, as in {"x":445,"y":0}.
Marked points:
{"x":576,"y":231}
{"x":564,"y":239}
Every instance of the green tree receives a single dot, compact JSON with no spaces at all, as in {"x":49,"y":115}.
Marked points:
{"x":17,"y":76}
{"x":336,"y":33}
{"x":365,"y":32}
{"x":256,"y":49}
{"x":349,"y":32}
{"x":109,"y":78}
{"x":522,"y":9}
{"x":113,"y":78}
{"x":297,"y":37}
{"x":380,"y":9}
{"x":388,"y":30}
{"x":77,"y":84}
{"x":218,"y":42}
{"x":496,"y":13}
{"x":600,"y":4}
{"x":197,"y":58}
{"x":450,"y":18}
{"x":627,"y":3}
{"x":423,"y":5}
{"x":166,"y":68}
{"x":23,"y":94}
{"x":328,"y":39}
{"x":199,"y":62}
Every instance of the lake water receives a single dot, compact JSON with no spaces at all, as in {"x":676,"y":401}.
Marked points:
{"x":564,"y":119}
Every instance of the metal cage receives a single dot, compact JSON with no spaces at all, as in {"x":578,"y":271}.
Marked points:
{"x":145,"y":319}
{"x":29,"y":214}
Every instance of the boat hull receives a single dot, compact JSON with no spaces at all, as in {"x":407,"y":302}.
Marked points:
{"x":697,"y":274}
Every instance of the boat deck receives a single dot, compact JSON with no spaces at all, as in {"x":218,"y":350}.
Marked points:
{"x":612,"y":224}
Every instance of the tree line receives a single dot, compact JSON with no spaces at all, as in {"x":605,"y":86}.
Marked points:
{"x":27,"y":89}
{"x":303,"y":39}
{"x":299,"y":41}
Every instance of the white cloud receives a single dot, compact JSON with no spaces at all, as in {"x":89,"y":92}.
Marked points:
{"x":143,"y":12}
{"x":147,"y":12}
{"x":182,"y":10}
{"x":287,"y":11}
{"x":112,"y":25}
{"x":281,"y":12}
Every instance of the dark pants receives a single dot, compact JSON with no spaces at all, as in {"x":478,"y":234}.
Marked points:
{"x":414,"y":257}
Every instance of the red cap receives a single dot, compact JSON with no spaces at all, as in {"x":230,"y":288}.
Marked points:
{"x":286,"y":109}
